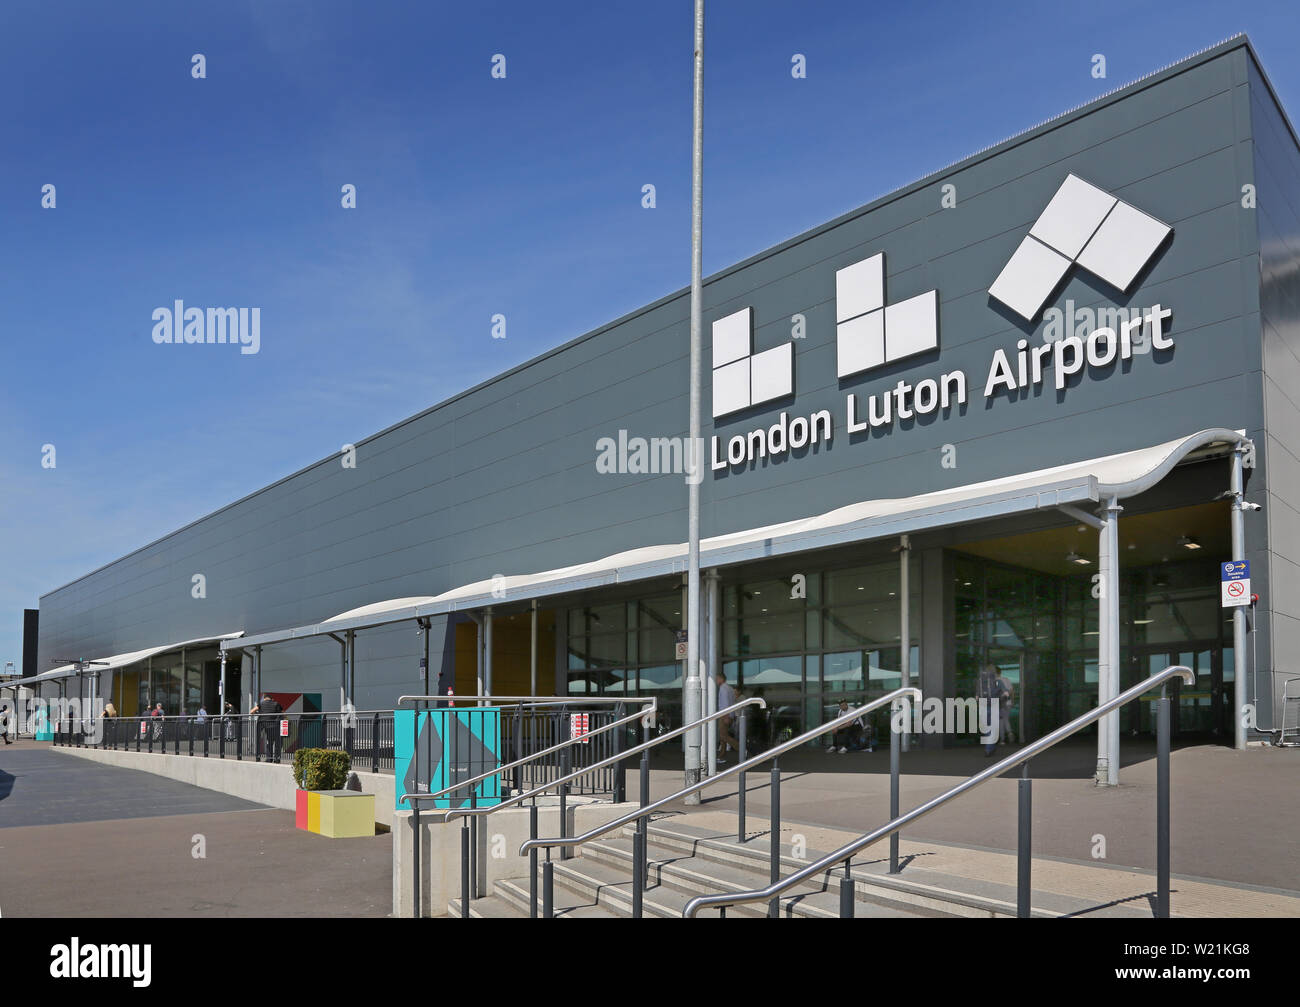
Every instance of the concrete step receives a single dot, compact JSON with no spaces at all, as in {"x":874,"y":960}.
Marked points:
{"x":570,"y":903}
{"x":491,"y":907}
{"x":690,"y":876}
{"x":916,"y":889}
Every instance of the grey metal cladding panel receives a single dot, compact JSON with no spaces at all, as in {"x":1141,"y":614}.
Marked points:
{"x":1281,"y":367}
{"x":1276,"y":165}
{"x":619,"y":511}
{"x":1284,"y":587}
{"x":1181,"y":119}
{"x":598,"y":403}
{"x":1284,"y":461}
{"x":635,"y":346}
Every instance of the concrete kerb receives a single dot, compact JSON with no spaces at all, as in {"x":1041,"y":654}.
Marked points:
{"x":261,"y":782}
{"x":500,"y":835}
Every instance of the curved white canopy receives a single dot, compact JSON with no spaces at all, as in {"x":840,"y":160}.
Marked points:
{"x":118,"y":660}
{"x":1122,"y":475}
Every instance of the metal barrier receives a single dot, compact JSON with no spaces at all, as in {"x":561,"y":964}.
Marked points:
{"x":1290,"y":715}
{"x":844,"y":854}
{"x":367,"y":736}
{"x":640,"y":839}
{"x":531,"y":845}
{"x":559,"y":707}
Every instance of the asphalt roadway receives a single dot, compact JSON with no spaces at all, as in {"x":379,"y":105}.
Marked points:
{"x":79,"y":839}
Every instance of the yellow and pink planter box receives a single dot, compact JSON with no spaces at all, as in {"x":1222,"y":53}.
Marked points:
{"x":338,"y":814}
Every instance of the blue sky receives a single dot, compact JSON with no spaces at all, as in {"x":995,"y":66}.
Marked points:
{"x":475,"y":196}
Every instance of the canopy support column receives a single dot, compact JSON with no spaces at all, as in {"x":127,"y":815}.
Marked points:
{"x":710,"y":667}
{"x":425,"y":624}
{"x":532,"y":652}
{"x":1108,"y":641}
{"x":1239,"y":612}
{"x":478,"y":655}
{"x":904,"y":617}
{"x":350,"y":682}
{"x":487,"y":652}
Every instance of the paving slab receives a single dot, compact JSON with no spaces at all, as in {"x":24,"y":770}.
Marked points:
{"x":1234,"y":815}
{"x":1070,"y":888}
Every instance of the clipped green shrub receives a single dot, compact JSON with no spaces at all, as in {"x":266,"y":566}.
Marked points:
{"x":320,"y":769}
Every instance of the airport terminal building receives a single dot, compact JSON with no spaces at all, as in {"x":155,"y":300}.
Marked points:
{"x":1003,"y":411}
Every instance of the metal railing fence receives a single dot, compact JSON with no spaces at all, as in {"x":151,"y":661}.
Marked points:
{"x":366,"y":735}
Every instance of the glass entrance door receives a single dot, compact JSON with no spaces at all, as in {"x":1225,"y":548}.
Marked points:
{"x":1197,"y":709}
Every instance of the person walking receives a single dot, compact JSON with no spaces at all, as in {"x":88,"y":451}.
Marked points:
{"x":4,"y":723}
{"x":726,"y":737}
{"x":990,"y":689}
{"x":270,"y":709}
{"x":157,"y":716}
{"x":1007,"y":695}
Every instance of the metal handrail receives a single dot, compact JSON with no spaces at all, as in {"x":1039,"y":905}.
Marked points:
{"x":740,"y":767}
{"x":468,"y":814}
{"x":643,"y":714}
{"x":620,"y":757}
{"x":846,"y":852}
{"x":653,"y":701}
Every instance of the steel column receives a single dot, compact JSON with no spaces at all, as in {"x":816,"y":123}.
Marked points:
{"x":711,"y":666}
{"x":774,"y":842}
{"x":532,"y":653}
{"x":532,"y":862}
{"x":1024,"y":843}
{"x":895,"y":747}
{"x":691,"y":684}
{"x":487,"y":655}
{"x":1162,"y":805}
{"x":1239,"y":612}
{"x":740,"y":794}
{"x":904,"y":629}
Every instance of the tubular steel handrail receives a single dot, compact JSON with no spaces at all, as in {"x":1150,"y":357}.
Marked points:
{"x":845,"y":853}
{"x":649,"y":706}
{"x":635,"y":749}
{"x":740,"y":767}
{"x":451,"y":699}
{"x":530,"y":846}
{"x":471,"y":814}
{"x":645,"y":713}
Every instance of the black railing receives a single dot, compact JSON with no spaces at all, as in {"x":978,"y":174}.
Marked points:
{"x":528,"y":730}
{"x":367,"y":736}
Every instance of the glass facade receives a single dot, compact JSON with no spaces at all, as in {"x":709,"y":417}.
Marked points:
{"x":807,"y":642}
{"x":183,"y":681}
{"x":1041,"y":632}
{"x":802,"y":644}
{"x":626,"y":649}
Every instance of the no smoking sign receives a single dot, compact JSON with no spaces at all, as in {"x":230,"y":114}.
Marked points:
{"x":1234,"y":583}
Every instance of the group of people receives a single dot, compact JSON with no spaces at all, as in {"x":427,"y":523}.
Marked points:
{"x":268,"y":710}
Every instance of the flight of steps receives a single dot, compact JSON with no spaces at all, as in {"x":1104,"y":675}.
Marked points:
{"x":682,"y":865}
